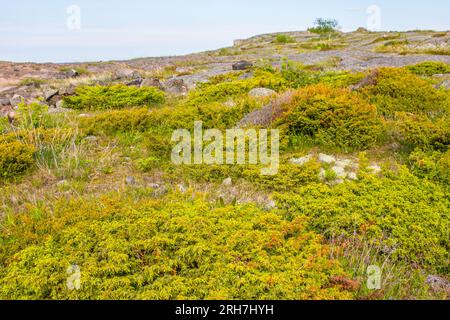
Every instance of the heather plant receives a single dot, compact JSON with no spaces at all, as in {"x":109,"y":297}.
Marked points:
{"x":213,"y":115}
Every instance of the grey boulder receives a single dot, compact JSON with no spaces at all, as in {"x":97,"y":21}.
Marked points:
{"x":242,"y":65}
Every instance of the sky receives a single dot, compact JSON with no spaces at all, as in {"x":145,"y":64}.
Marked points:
{"x":101,"y":30}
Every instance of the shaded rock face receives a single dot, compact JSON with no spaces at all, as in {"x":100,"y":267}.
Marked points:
{"x":72,"y":73}
{"x":4,"y":102}
{"x":50,"y":93}
{"x":261,"y":117}
{"x":152,"y":82}
{"x":370,"y":80}
{"x":134,"y":82}
{"x":175,"y":86}
{"x":11,"y":116}
{"x":446,"y":84}
{"x":246,"y":76}
{"x":67,"y":91}
{"x":15,"y":100}
{"x":242,"y":65}
{"x":444,"y":81}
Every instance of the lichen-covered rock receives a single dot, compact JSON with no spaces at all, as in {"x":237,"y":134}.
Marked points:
{"x":324,"y":158}
{"x":227,"y":182}
{"x":261,"y":92}
{"x":438,"y":283}
{"x":352,"y":176}
{"x":301,"y":161}
{"x":375,"y":169}
{"x":340,"y":172}
{"x":152,"y":82}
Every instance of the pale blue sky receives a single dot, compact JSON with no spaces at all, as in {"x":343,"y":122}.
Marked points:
{"x":37,"y":31}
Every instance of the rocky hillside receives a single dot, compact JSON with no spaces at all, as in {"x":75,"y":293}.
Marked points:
{"x":93,"y":205}
{"x":348,"y":51}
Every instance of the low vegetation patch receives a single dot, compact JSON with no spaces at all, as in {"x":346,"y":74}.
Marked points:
{"x":15,"y":159}
{"x":97,"y":190}
{"x":172,"y":248}
{"x":283,"y":39}
{"x":113,"y":97}
{"x":224,"y":88}
{"x":333,"y":117}
{"x":429,"y":68}
{"x":400,"y":90}
{"x":406,"y":217}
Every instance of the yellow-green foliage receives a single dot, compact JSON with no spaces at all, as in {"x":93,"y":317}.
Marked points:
{"x":213,"y":115}
{"x":431,"y":165}
{"x":81,"y":71}
{"x":33,"y":115}
{"x":39,"y":136}
{"x":429,"y":68}
{"x":298,"y":75}
{"x":35,"y":82}
{"x":174,"y":248}
{"x":420,"y":131}
{"x":113,"y":97}
{"x":152,"y":243}
{"x":15,"y":159}
{"x":333,"y":117}
{"x":405,"y":216}
{"x":4,"y":125}
{"x":404,"y":47}
{"x":283,"y":39}
{"x":393,"y":46}
{"x":400,"y":90}
{"x":289,"y":177}
{"x":211,"y":92}
{"x":387,"y":38}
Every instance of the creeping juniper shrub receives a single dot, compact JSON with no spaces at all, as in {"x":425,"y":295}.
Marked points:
{"x":406,"y":217}
{"x":213,"y":92}
{"x":113,"y":97}
{"x":15,"y":159}
{"x":429,"y":68}
{"x":400,"y":90}
{"x":333,"y":117}
{"x":172,"y":248}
